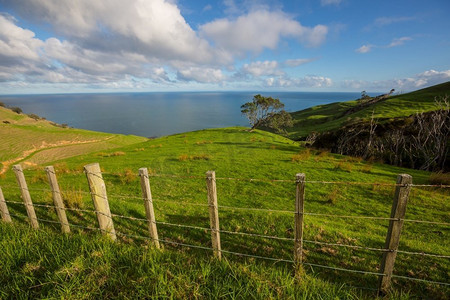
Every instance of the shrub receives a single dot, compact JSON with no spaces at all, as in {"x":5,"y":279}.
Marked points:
{"x":439,"y":178}
{"x":17,"y":110}
{"x":34,"y":117}
{"x":2,"y":104}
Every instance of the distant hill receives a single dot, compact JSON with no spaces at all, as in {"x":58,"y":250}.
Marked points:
{"x":410,"y":130}
{"x":332,"y":116}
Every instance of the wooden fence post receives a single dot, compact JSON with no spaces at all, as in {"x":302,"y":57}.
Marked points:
{"x":26,"y":196}
{"x":299,"y":207}
{"x":57,"y":199}
{"x":4,"y":209}
{"x":148,"y":203}
{"x":213,"y":213}
{"x":100,"y":199}
{"x":398,"y":211}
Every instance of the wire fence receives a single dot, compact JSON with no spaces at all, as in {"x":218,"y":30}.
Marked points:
{"x":241,"y":233}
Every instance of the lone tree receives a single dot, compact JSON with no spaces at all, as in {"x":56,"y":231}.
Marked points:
{"x":266,"y":112}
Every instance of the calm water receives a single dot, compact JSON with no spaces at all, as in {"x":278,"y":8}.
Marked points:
{"x":157,"y":114}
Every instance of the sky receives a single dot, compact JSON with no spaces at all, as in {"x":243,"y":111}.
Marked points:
{"x":68,"y":46}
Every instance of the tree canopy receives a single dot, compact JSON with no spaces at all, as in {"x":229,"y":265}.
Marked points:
{"x":266,"y":112}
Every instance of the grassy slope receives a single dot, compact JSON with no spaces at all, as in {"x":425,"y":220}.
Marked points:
{"x":24,"y":136}
{"x":235,"y":152}
{"x":329,"y":117}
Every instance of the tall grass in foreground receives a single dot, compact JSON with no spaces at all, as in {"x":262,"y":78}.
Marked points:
{"x":45,"y":264}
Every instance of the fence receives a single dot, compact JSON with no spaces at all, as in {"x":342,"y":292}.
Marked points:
{"x":105,"y":217}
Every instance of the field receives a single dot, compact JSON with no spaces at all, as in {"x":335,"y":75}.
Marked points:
{"x":177,"y":165}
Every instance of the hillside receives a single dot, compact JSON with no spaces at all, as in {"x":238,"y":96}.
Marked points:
{"x":252,"y":206}
{"x":32,"y":140}
{"x":332,"y":116}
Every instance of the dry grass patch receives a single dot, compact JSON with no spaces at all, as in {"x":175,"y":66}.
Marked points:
{"x":344,"y":166}
{"x":332,"y":196}
{"x":39,"y":178}
{"x":367,"y":168}
{"x":302,"y":155}
{"x":117,"y":153}
{"x":73,"y":198}
{"x":128,"y":176}
{"x":185,"y":157}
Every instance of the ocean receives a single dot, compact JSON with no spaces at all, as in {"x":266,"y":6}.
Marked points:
{"x":156,"y":114}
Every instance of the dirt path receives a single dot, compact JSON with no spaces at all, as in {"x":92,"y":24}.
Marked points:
{"x":44,"y":146}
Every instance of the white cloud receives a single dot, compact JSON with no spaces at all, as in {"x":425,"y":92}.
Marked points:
{"x":418,"y":81}
{"x":364,"y":48}
{"x":262,"y":68}
{"x":16,"y":42}
{"x":207,"y":7}
{"x":384,"y":21}
{"x":297,"y":62}
{"x":307,"y":81}
{"x":330,"y":2}
{"x":102,"y":42}
{"x":259,"y":30}
{"x":203,"y":75}
{"x":394,"y":43}
{"x":153,"y":28}
{"x":398,"y":41}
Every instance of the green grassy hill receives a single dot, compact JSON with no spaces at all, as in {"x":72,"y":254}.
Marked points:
{"x":97,"y":268}
{"x":36,"y":141}
{"x":332,"y":116}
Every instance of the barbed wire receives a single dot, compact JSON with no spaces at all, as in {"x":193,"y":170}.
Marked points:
{"x":256,"y":209}
{"x":424,"y":254}
{"x":280,"y":211}
{"x":426,"y":222}
{"x":347,"y":246}
{"x":235,"y":232}
{"x":267,"y":180}
{"x":256,"y":235}
{"x":349,"y":216}
{"x":422,"y":280}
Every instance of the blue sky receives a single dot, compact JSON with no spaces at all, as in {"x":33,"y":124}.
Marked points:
{"x":59,"y":46}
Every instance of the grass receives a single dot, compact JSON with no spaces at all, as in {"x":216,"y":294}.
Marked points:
{"x":238,"y":153}
{"x":82,"y":266}
{"x":331,"y":116}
